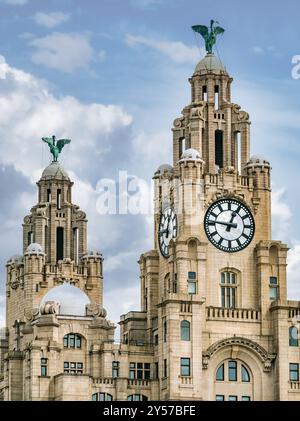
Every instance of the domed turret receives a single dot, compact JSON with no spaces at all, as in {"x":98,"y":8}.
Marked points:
{"x":17,"y":259}
{"x":54,"y":171}
{"x":35,"y":248}
{"x":210,"y":64}
{"x":164,"y":168}
{"x":257,"y":161}
{"x":190,"y":155}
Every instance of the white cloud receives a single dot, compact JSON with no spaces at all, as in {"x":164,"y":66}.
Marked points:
{"x":29,"y":110}
{"x":128,"y":299}
{"x":281,"y":215}
{"x":50,"y":20}
{"x":15,"y":2}
{"x":176,"y":51}
{"x":66,"y":52}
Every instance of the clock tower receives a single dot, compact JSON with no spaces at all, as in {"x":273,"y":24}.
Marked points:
{"x":213,"y":289}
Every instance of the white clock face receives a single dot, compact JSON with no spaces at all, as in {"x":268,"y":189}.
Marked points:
{"x":167,"y":230}
{"x":229,"y":225}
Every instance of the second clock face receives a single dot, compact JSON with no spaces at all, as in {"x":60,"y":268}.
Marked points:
{"x":167,"y":230}
{"x":229,"y":225}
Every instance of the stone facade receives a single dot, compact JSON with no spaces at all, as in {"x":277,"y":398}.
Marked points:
{"x":213,"y":325}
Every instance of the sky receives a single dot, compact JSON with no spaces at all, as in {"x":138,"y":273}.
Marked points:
{"x":112,"y":75}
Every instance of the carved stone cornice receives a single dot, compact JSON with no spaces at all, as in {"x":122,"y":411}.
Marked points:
{"x":264,"y":356}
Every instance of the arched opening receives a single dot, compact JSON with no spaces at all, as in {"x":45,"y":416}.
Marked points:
{"x":219,"y":148}
{"x":293,"y":336}
{"x":58,"y":198}
{"x":182,"y":146}
{"x":217,"y":98}
{"x":30,"y":238}
{"x":233,"y":381}
{"x":72,"y":341}
{"x":101,"y":396}
{"x":59,"y":243}
{"x":137,"y":397}
{"x":204,"y":93}
{"x":48,"y":195}
{"x":72,"y":301}
{"x":238,"y":151}
{"x":75,"y":244}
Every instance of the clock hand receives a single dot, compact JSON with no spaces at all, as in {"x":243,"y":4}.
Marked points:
{"x":233,"y":215}
{"x":162,"y":232}
{"x":228,"y":224}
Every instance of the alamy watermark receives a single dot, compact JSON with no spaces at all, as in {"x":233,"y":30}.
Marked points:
{"x":296,"y":68}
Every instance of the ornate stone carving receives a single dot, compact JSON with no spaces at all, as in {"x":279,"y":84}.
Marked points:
{"x":240,"y":114}
{"x":49,"y":307}
{"x":27,"y":220}
{"x":265,"y":357}
{"x":31,"y":314}
{"x":80,"y":215}
{"x":197,"y":111}
{"x":178,"y":122}
{"x":95,"y":310}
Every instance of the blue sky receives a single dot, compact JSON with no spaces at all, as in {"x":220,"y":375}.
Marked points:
{"x":113,"y":75}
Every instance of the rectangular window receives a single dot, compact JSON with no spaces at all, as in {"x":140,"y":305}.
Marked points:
{"x":115,"y":369}
{"x":192,"y":283}
{"x":165,"y":331}
{"x":66,"y":341}
{"x":72,"y":341}
{"x":273,"y":288}
{"x":204,"y":93}
{"x":165,"y":368}
{"x":232,"y":371}
{"x":246,"y":398}
{"x":294,"y":372}
{"x":156,"y":373}
{"x":220,"y":398}
{"x":232,"y":398}
{"x":139,"y":371}
{"x":185,"y":369}
{"x":59,"y":243}
{"x":44,"y":367}
{"x":156,"y":340}
{"x":73,"y":367}
{"x":48,"y":195}
{"x":175,"y":284}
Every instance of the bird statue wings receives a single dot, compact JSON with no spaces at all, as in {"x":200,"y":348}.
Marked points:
{"x":56,"y":146}
{"x":209,"y":34}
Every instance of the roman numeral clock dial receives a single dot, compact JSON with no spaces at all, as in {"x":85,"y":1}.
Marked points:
{"x":229,"y":225}
{"x":167,"y":230}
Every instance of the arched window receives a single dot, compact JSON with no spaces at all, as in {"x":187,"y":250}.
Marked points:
{"x":293,"y":336}
{"x":72,"y":340}
{"x":245,"y":374}
{"x":228,"y":285}
{"x":238,"y":375}
{"x":220,"y":373}
{"x":185,"y":330}
{"x":102,"y":397}
{"x":137,"y":398}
